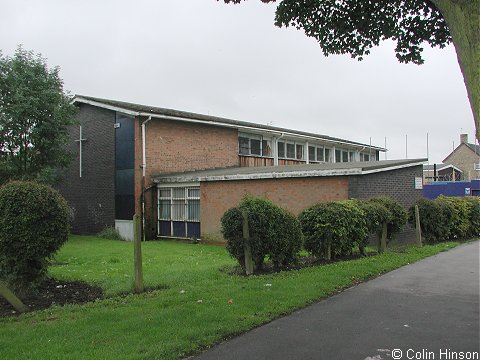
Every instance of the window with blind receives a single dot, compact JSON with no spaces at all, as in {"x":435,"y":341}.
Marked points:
{"x":179,"y":211}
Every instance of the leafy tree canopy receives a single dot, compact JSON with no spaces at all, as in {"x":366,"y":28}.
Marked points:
{"x":355,"y":26}
{"x":34,"y":116}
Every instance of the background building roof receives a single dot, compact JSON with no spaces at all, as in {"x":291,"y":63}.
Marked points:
{"x":440,"y":167}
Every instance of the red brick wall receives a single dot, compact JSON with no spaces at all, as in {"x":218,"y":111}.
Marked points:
{"x":294,"y":194}
{"x":174,"y":146}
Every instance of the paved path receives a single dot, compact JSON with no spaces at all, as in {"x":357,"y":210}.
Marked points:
{"x":427,"y":310}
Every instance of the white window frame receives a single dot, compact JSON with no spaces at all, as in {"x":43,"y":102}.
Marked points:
{"x":261,"y":138}
{"x":295,"y":144}
{"x":186,"y":197}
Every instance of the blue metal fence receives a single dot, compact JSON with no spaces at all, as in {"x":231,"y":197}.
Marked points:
{"x":451,"y":188}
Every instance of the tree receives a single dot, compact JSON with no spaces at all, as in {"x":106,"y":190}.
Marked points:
{"x":355,"y":26}
{"x":34,"y":117}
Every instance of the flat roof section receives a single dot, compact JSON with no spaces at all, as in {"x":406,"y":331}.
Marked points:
{"x":287,"y":171}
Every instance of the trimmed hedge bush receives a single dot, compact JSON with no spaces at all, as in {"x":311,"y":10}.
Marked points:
{"x":274,"y":232}
{"x":34,"y":224}
{"x":448,"y":218}
{"x":474,"y":215}
{"x":459,"y":216}
{"x":376,"y":215}
{"x":433,"y":222}
{"x":398,"y":215}
{"x":334,"y":228}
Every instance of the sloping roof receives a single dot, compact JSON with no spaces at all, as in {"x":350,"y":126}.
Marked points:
{"x":145,"y":110}
{"x":475,"y":148}
{"x":288,"y":171}
{"x":440,"y":167}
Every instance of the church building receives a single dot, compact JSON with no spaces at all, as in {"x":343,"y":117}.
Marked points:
{"x":180,"y":171}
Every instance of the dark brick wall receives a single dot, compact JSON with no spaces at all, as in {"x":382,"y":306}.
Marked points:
{"x":398,"y":184}
{"x":92,"y":197}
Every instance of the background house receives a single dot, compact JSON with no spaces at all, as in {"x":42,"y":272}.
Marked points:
{"x":466,"y":157}
{"x":122,"y":147}
{"x":441,"y":172}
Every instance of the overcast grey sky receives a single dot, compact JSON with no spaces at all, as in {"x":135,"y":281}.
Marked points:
{"x":231,"y":61}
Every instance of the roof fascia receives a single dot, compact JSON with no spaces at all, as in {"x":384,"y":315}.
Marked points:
{"x":105,"y":106}
{"x":79,"y":99}
{"x":396,"y":167}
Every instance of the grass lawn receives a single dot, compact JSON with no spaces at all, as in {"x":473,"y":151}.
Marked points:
{"x":191,"y":309}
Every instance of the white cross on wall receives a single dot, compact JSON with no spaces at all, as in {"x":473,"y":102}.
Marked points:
{"x":80,"y":141}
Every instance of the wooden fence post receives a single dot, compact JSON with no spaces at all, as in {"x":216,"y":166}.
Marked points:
{"x":12,"y":298}
{"x":382,"y":240}
{"x":417,"y":226}
{"x":137,"y":253}
{"x":328,"y":255}
{"x":247,"y":249}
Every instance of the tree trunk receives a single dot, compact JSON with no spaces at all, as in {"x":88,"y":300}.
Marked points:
{"x":463,"y":20}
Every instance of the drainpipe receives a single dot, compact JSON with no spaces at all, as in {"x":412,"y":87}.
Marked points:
{"x":144,"y":166}
{"x":144,"y":151}
{"x":307,"y":155}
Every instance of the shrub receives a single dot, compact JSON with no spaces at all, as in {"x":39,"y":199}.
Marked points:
{"x":333,"y":228}
{"x":34,"y":224}
{"x":474,"y":215}
{"x":398,"y":215}
{"x":110,"y":233}
{"x":433,"y":222}
{"x":375,"y":215}
{"x":232,"y":230}
{"x":274,"y":232}
{"x":448,"y":218}
{"x":456,"y":212}
{"x":284,"y":248}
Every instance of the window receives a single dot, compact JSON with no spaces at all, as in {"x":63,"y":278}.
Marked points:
{"x":351,"y":156}
{"x":244,"y":145}
{"x":338,"y":155}
{"x":281,"y":149}
{"x":328,"y":155}
{"x":344,"y":155}
{"x":364,"y":157}
{"x":315,"y":153}
{"x":252,"y":144}
{"x":320,"y":156}
{"x":291,"y":150}
{"x":267,"y":148}
{"x":179,"y":211}
{"x":312,"y":153}
{"x":299,"y":151}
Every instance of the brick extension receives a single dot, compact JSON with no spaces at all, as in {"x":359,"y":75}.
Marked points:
{"x":293,"y":194}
